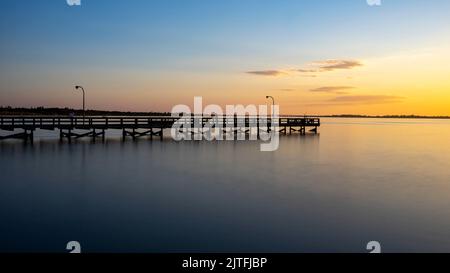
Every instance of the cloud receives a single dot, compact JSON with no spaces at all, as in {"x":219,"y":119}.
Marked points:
{"x":287,"y":89}
{"x":330,"y":65}
{"x":359,"y":100}
{"x":332,"y":89}
{"x":272,"y":73}
{"x":367,"y":99}
{"x":306,"y":70}
{"x":314,"y":67}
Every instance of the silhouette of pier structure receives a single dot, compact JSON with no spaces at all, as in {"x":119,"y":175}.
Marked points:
{"x":23,"y":127}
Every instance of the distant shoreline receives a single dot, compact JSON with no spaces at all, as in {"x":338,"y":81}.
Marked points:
{"x":21,"y":111}
{"x":385,"y":116}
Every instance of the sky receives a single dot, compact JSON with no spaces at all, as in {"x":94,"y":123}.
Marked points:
{"x":312,"y":56}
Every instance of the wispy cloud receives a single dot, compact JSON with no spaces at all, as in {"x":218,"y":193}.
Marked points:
{"x":311,"y":69}
{"x":332,"y":89}
{"x":271,"y":73}
{"x":359,"y":100}
{"x":330,"y":65}
{"x":367,"y":99}
{"x":287,"y":89}
{"x":306,"y":70}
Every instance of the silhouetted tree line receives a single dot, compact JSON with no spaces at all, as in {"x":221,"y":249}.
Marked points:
{"x":43,"y":111}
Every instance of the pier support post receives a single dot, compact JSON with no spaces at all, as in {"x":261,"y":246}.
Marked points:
{"x":31,"y":136}
{"x":136,"y":134}
{"x":257,"y":127}
{"x":91,"y":133}
{"x":69,"y":136}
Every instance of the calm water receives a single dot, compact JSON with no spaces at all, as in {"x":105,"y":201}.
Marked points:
{"x":358,"y":180}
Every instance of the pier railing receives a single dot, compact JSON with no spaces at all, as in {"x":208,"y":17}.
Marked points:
{"x":113,"y":122}
{"x":152,"y":125}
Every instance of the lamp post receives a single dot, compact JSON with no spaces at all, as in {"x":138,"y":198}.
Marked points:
{"x":272,"y":120}
{"x":84,"y":100}
{"x":273,"y":104}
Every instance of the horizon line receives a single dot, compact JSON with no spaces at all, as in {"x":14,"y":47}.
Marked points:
{"x":34,"y":110}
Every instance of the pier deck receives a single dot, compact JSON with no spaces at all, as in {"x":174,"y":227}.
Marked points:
{"x":95,"y":126}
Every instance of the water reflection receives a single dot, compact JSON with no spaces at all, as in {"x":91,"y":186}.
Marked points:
{"x":357,"y":181}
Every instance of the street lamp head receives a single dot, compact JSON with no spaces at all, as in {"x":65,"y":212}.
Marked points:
{"x":77,"y":87}
{"x":267,"y":97}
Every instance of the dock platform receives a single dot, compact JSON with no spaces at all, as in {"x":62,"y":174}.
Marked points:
{"x":140,"y":126}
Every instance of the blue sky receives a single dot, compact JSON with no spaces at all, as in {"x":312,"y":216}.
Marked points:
{"x":198,"y":36}
{"x":165,"y":32}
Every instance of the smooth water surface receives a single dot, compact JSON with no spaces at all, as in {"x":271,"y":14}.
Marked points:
{"x":357,"y":181}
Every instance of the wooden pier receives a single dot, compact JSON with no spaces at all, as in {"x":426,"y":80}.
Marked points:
{"x":138,"y":126}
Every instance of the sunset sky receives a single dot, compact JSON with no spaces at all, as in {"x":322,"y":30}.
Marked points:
{"x":314,"y":57}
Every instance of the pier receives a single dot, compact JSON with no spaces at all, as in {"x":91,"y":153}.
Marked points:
{"x":138,"y":126}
